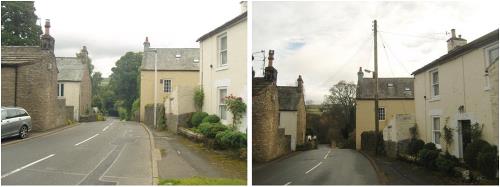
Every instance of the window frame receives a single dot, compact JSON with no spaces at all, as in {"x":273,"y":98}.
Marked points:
{"x":488,"y":63}
{"x":220,"y":50}
{"x":432,"y":83}
{"x":379,"y":111}
{"x":60,"y":89}
{"x":221,"y":103}
{"x":434,"y":131}
{"x":165,"y":87}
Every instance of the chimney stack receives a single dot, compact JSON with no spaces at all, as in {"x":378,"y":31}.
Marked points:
{"x":360,"y":74}
{"x":270,"y":58}
{"x":243,"y":5}
{"x":270,"y":73}
{"x":47,"y":42}
{"x":146,"y":44}
{"x":300,"y":83}
{"x":455,"y":42}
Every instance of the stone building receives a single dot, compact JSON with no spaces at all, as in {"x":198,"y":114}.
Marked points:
{"x":74,"y":84}
{"x":292,"y":112}
{"x":395,"y":98}
{"x":177,"y":79}
{"x":458,"y":90}
{"x":29,"y":80}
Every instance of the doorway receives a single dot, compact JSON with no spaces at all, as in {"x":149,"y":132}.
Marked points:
{"x":464,"y":135}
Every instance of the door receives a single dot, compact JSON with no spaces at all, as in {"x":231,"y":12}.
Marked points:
{"x":464,"y":135}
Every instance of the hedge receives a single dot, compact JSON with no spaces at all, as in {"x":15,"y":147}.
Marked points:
{"x":231,"y":139}
{"x":211,"y":129}
{"x":197,"y":118}
{"x":211,"y":119}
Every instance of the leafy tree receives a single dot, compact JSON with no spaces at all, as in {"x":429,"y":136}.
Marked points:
{"x":123,"y":81}
{"x":342,"y":100}
{"x":19,"y":26}
{"x":96,"y":81}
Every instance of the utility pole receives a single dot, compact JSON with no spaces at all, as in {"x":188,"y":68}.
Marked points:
{"x":375,"y":76}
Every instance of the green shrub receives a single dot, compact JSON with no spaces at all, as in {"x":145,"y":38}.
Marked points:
{"x":471,"y":152}
{"x":211,"y":119}
{"x":122,"y":112}
{"x":430,"y":146}
{"x":446,"y":163}
{"x":231,"y":139}
{"x":198,"y":98}
{"x":197,"y":118}
{"x":487,"y":161}
{"x":211,"y":129}
{"x":427,"y":158}
{"x":414,"y":146}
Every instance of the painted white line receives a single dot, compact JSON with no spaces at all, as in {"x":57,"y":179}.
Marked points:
{"x":178,"y":152}
{"x":28,"y":165}
{"x":327,"y":154}
{"x":106,"y":128}
{"x":314,"y":167}
{"x":288,"y":183}
{"x":86,"y":140}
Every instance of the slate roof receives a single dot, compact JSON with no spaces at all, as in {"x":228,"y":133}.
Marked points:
{"x":167,"y":59}
{"x":459,"y":51}
{"x":70,"y":69}
{"x":223,"y":27}
{"x":21,"y":55}
{"x":402,"y":88}
{"x":288,"y":97}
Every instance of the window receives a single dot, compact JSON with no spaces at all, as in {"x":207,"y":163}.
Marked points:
{"x":167,"y":86}
{"x":492,"y":55}
{"x":222,"y":50}
{"x":60,"y":89}
{"x":222,"y":104}
{"x":381,"y":113}
{"x":436,"y":130}
{"x":434,"y":83}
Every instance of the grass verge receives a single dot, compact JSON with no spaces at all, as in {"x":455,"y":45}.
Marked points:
{"x":202,"y":181}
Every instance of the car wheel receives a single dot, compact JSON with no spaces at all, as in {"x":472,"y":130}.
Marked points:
{"x":23,"y":132}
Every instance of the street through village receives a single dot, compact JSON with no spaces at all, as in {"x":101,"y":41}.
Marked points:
{"x":322,"y":166}
{"x":95,"y":153}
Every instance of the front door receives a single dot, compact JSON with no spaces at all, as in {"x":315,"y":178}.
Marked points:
{"x":464,"y":135}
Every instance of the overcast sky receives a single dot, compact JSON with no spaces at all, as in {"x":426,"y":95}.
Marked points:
{"x":327,"y":42}
{"x":109,"y":29}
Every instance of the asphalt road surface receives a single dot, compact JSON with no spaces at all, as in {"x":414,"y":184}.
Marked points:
{"x":322,"y":166}
{"x":96,"y":153}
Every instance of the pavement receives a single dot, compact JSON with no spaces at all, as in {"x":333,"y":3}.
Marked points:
{"x":94,"y":153}
{"x":322,"y":166}
{"x":181,"y":158}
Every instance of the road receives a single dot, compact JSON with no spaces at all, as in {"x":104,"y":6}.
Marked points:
{"x":323,"y":166}
{"x":96,"y":153}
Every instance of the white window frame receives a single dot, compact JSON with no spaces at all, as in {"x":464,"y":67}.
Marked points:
{"x":434,"y":131}
{"x":60,"y":92}
{"x":432,"y":83}
{"x":221,"y":51}
{"x":488,"y":63}
{"x":167,"y":88}
{"x":221,"y":104}
{"x":381,"y":113}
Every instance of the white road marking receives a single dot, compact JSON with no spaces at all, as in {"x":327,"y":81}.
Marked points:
{"x":327,"y":154}
{"x":105,"y":128}
{"x":288,"y":183}
{"x":86,"y":140}
{"x":178,"y":152}
{"x":28,"y":165}
{"x":314,"y":167}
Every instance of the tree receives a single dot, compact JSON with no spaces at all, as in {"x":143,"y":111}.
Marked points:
{"x":123,"y":81}
{"x":342,"y":100}
{"x":96,"y":81}
{"x":19,"y":26}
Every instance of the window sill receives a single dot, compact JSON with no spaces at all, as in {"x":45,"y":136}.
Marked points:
{"x":486,"y":89}
{"x":434,"y":99}
{"x":221,"y":68}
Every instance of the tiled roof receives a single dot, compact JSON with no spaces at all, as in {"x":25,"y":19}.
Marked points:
{"x":389,"y":88}
{"x":180,"y":59}
{"x":70,"y":69}
{"x":20,"y":55}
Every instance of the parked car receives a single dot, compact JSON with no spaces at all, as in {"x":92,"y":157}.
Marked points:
{"x":15,"y":122}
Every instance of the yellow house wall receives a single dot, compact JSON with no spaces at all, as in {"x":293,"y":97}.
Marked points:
{"x":72,"y":96}
{"x":233,"y":76}
{"x":365,"y":117}
{"x":462,"y":81}
{"x":179,"y":78}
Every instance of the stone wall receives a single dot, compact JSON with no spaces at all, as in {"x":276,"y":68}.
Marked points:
{"x":8,"y":85}
{"x":61,"y":110}
{"x":85,"y":94}
{"x":149,"y":115}
{"x":69,"y":112}
{"x":301,"y":120}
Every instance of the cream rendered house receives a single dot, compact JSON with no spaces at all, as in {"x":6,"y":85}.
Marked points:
{"x":74,"y":84}
{"x":457,"y":90}
{"x":223,"y":66}
{"x":177,"y":79}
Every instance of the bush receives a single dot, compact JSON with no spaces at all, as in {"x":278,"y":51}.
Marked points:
{"x":414,"y":146}
{"x":122,"y":112}
{"x":427,"y":158}
{"x":471,"y":152}
{"x":231,"y":139}
{"x":198,"y":98}
{"x":446,"y":163}
{"x":487,"y":161}
{"x":430,"y":146}
{"x":197,"y":118}
{"x":211,"y":119}
{"x":211,"y":129}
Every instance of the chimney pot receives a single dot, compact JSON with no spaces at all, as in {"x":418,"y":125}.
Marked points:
{"x":453,"y":33}
{"x":270,"y":58}
{"x":47,"y":26}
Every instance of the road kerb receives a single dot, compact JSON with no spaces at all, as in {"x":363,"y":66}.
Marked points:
{"x":154,"y":156}
{"x":53,"y":131}
{"x":380,"y":174}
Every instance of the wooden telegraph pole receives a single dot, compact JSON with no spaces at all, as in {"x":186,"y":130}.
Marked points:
{"x":375,"y":76}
